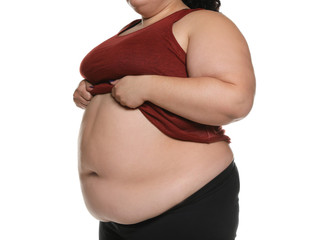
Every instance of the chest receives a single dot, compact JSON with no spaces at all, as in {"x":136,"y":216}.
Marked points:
{"x":137,"y":52}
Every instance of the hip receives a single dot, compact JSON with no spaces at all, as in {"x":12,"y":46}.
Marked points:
{"x":212,"y":212}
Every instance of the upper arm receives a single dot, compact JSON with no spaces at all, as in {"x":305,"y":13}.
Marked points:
{"x":217,"y":49}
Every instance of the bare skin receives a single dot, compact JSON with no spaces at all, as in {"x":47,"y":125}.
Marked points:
{"x":129,"y":170}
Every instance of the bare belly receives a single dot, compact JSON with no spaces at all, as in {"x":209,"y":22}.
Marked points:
{"x":130,"y":171}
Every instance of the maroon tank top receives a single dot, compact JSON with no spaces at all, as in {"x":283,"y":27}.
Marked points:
{"x":152,"y":50}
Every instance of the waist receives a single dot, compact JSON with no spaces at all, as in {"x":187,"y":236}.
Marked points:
{"x":121,"y":143}
{"x":131,"y":171}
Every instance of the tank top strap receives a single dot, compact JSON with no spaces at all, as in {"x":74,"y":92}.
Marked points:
{"x":166,"y":21}
{"x":179,"y":14}
{"x":171,"y":19}
{"x":126,"y":27}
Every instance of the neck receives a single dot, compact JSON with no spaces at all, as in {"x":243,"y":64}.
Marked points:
{"x":151,"y":15}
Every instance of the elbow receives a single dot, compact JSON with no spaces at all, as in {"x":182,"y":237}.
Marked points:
{"x":241,"y":101}
{"x":241,"y":108}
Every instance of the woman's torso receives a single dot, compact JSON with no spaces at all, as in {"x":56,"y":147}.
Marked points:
{"x":129,"y":170}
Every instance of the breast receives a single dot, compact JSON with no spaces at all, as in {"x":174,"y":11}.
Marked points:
{"x":119,"y":142}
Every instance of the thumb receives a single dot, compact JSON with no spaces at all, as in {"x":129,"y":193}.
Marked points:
{"x":89,"y":86}
{"x":113,"y":82}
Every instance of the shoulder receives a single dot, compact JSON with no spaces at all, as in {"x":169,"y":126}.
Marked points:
{"x":211,"y":23}
{"x":213,"y":31}
{"x":217,"y":48}
{"x":203,"y":13}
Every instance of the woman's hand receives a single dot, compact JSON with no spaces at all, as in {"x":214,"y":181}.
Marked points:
{"x":131,"y":91}
{"x":81,"y":95}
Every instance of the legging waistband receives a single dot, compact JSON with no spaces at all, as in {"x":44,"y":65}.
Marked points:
{"x":207,"y":189}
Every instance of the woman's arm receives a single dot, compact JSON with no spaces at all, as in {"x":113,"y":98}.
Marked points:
{"x":221,"y":84}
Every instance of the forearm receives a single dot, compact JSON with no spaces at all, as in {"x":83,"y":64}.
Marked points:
{"x":204,"y":100}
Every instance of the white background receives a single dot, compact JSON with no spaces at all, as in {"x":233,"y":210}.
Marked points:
{"x":275,"y":146}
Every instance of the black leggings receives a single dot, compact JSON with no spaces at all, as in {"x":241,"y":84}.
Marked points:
{"x":211,"y":213}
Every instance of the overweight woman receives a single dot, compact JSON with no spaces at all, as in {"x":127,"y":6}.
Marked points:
{"x":154,"y":160}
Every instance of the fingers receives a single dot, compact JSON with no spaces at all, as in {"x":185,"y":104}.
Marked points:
{"x":81,"y":95}
{"x":81,"y":106}
{"x":88,"y":85}
{"x":79,"y":100}
{"x":85,"y":95}
{"x":84,"y":88}
{"x":113,"y":81}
